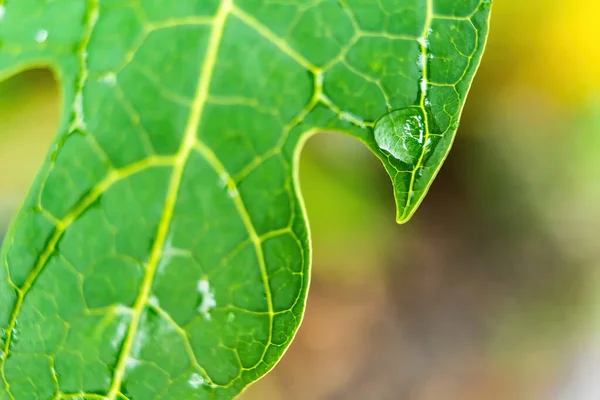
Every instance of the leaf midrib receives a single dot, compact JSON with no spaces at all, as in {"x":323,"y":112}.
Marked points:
{"x":423,"y":45}
{"x":190,"y":143}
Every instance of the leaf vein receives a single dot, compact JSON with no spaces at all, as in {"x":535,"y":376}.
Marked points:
{"x":189,"y":140}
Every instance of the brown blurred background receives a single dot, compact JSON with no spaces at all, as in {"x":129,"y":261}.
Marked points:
{"x":489,"y":293}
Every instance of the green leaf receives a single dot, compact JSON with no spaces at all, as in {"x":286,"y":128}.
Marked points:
{"x":163,"y":249}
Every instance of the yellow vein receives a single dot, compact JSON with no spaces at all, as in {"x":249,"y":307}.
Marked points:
{"x":273,"y":38}
{"x":80,"y":395}
{"x":315,"y":99}
{"x":386,"y":35}
{"x":175,"y":22}
{"x":167,"y":93}
{"x":425,"y":81}
{"x":186,"y":341}
{"x":213,"y":160}
{"x":430,"y":16}
{"x":344,"y":115}
{"x":187,"y":145}
{"x":112,"y":178}
{"x":92,"y":18}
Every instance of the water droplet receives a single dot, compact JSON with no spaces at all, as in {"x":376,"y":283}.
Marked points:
{"x":402,"y":134}
{"x":454,"y":125}
{"x":41,"y":36}
{"x":2,"y":11}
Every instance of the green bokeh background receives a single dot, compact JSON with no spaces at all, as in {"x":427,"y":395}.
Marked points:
{"x":490,"y":291}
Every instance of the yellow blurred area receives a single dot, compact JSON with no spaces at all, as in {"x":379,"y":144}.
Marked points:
{"x":569,"y":43}
{"x":549,"y":45}
{"x":490,"y":292}
{"x":29,"y":115}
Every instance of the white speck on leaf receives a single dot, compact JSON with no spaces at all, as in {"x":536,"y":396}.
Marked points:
{"x":139,"y":340}
{"x":2,"y":12}
{"x":208,"y":298}
{"x":170,"y":252}
{"x":123,"y":310}
{"x":223,"y":179}
{"x":153,"y":301}
{"x":233,"y":192}
{"x":424,"y":85}
{"x":120,"y":333}
{"x":109,"y":78}
{"x":196,"y":381}
{"x":78,"y":110}
{"x":41,"y":36}
{"x":132,"y":363}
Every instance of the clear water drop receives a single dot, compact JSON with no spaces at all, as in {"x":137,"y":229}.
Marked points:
{"x":401,"y":133}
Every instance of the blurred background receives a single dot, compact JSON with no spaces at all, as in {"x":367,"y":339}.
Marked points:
{"x":492,"y":291}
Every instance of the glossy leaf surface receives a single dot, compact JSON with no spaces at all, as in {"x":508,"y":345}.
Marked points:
{"x":163,"y":250}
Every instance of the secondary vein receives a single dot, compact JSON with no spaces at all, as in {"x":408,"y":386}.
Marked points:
{"x":425,"y":81}
{"x":183,"y":154}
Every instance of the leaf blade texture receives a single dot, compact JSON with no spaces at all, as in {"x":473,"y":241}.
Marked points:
{"x":163,"y":249}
